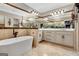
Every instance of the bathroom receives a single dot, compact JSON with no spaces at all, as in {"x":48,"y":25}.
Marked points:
{"x":27,"y":29}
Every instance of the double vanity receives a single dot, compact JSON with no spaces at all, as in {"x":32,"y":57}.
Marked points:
{"x":60,"y":36}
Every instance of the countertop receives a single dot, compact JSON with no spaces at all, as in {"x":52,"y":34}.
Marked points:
{"x":58,"y":29}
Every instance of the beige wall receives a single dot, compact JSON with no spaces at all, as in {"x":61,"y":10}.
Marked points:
{"x":8,"y":33}
{"x":10,"y":15}
{"x":4,"y":18}
{"x":21,"y":32}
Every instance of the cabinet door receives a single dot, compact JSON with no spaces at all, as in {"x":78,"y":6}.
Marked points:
{"x":49,"y":36}
{"x":59,"y":37}
{"x":45,"y":34}
{"x":53,"y":36}
{"x":68,"y":38}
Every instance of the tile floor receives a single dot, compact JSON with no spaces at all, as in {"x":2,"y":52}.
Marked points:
{"x":50,"y":49}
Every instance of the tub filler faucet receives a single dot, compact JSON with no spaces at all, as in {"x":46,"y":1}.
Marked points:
{"x":15,"y":33}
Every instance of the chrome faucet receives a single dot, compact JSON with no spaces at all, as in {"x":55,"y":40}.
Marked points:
{"x":15,"y":33}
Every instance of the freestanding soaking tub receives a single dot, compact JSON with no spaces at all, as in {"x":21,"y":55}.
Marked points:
{"x":16,"y":46}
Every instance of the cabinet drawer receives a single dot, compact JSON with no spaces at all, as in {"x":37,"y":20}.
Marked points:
{"x":65,"y":38}
{"x":68,"y":33}
{"x":49,"y":32}
{"x":68,"y":40}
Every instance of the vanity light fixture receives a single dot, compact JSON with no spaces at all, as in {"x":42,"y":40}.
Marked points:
{"x":57,"y":13}
{"x":35,"y":13}
{"x":61,"y":11}
{"x":32,"y":12}
{"x":52,"y":14}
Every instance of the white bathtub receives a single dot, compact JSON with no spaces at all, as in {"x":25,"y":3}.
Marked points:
{"x":16,"y":46}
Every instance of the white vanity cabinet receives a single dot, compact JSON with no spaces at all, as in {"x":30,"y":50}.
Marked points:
{"x":49,"y":36}
{"x":65,"y":38}
{"x":68,"y":38}
{"x":61,"y":37}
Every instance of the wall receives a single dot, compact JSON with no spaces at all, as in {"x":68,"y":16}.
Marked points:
{"x":4,"y":18}
{"x":8,"y":33}
{"x":21,"y":32}
{"x":1,"y":19}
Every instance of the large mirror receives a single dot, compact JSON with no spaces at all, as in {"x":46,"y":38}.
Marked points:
{"x":11,"y":22}
{"x":54,"y":24}
{"x":30,"y":23}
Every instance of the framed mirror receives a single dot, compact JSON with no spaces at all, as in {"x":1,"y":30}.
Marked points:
{"x":29,"y":23}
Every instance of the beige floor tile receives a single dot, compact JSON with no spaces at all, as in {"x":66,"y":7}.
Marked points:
{"x":50,"y":49}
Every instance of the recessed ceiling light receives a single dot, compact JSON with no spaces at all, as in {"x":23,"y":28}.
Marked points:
{"x":55,"y":13}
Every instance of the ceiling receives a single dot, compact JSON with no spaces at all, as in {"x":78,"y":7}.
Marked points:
{"x":12,"y":10}
{"x":40,"y":7}
{"x":44,"y":7}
